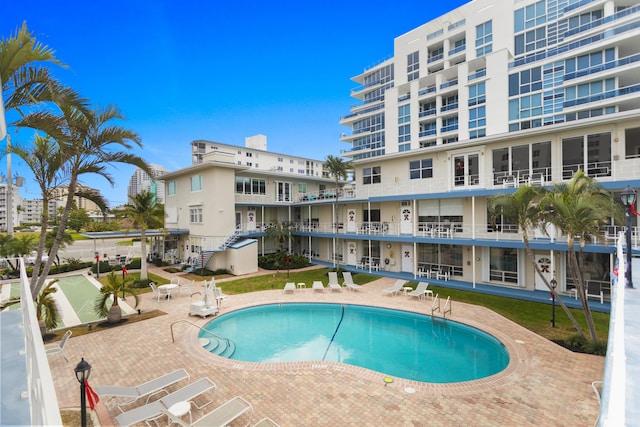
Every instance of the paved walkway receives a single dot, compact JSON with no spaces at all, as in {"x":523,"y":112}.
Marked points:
{"x":544,"y":384}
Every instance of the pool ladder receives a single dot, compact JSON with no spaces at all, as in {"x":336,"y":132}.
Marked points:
{"x":435,"y":307}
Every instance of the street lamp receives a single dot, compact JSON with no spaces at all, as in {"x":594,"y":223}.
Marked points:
{"x":123,"y":264}
{"x":554,"y":284}
{"x":83,"y":370}
{"x":628,"y":197}
{"x":97,"y":255}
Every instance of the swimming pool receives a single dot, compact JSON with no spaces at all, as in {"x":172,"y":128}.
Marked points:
{"x":396,"y":343}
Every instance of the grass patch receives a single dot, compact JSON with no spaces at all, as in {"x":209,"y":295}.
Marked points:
{"x":87,"y":328}
{"x":276,"y":280}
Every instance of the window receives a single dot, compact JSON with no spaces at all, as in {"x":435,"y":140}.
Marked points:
{"x":530,"y":16}
{"x":477,"y":122}
{"x":404,"y":133}
{"x":484,"y":37}
{"x":531,"y":40}
{"x":195,"y":214}
{"x":503,"y":265}
{"x":245,"y":185}
{"x":371,"y":175}
{"x":404,"y":114}
{"x":283,"y":191}
{"x":477,"y":94}
{"x":419,"y":169}
{"x":413,"y":66}
{"x":526,"y":163}
{"x":466,"y":170}
{"x":598,"y":158}
{"x":171,"y":188}
{"x":525,"y":81}
{"x":196,"y":183}
{"x":302,"y":187}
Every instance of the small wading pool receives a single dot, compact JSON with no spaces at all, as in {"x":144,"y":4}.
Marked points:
{"x":397,"y":343}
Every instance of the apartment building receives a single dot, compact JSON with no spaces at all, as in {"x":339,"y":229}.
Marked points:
{"x":5,"y":215}
{"x":488,"y":97}
{"x":218,"y":208}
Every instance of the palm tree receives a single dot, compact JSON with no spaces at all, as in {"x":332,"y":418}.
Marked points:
{"x":46,"y":162}
{"x":46,"y":307}
{"x":338,"y":168}
{"x":579,"y":208}
{"x":23,"y":245}
{"x":47,"y":311}
{"x":144,"y":213}
{"x":50,"y":238}
{"x":109,"y":293}
{"x":24,"y":79}
{"x":85,"y":139}
{"x":522,"y":208}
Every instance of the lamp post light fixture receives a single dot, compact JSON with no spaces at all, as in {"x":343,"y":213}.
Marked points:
{"x":97,"y":255}
{"x":628,"y":197}
{"x":554,"y":284}
{"x":83,"y":370}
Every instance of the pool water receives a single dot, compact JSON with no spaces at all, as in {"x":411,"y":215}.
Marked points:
{"x":396,"y":343}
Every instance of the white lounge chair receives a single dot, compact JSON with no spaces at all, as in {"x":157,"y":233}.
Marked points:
{"x":420,"y":291}
{"x":217,"y":292}
{"x":333,"y":281}
{"x":289,"y":287}
{"x":396,"y":287}
{"x":348,"y":281}
{"x":118,"y":396}
{"x":317,"y":286}
{"x":156,"y":409}
{"x":60,"y":347}
{"x":221,"y":416}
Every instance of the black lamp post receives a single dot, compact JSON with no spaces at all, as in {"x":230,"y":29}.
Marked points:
{"x":97,"y":255}
{"x":123,"y":264}
{"x":628,"y":197}
{"x":554,"y":284}
{"x":83,"y":370}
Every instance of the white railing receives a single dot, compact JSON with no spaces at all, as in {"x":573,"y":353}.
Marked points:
{"x":42,"y":394}
{"x":614,"y":391}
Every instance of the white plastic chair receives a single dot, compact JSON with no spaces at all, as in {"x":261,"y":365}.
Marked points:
{"x":60,"y":347}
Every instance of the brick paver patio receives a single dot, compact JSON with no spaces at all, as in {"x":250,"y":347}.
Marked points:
{"x":544,"y":384}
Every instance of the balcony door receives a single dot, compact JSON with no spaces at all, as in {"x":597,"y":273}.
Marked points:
{"x":466,"y":170}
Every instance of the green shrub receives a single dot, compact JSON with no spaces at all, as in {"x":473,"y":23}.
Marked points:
{"x":599,"y":348}
{"x":576,"y":342}
{"x":277,"y":261}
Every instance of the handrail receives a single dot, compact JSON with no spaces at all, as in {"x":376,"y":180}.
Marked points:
{"x":436,"y":300}
{"x":199,"y":327}
{"x":445,"y":311}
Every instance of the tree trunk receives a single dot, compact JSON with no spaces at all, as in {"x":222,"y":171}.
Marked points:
{"x":56,"y":244}
{"x":115,"y":314}
{"x":532,"y":258}
{"x":578,"y":279}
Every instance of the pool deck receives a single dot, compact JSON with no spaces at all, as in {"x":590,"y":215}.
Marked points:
{"x":544,"y":384}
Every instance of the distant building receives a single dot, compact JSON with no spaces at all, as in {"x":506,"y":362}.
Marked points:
{"x":254,"y":155}
{"x":60,"y":194}
{"x":141,"y":181}
{"x":30,"y":211}
{"x":15,"y":202}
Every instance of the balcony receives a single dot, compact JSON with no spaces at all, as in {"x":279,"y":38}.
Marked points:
{"x":435,"y":58}
{"x":449,"y":107}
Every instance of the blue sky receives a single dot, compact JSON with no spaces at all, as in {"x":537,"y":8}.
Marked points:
{"x":213,"y":70}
